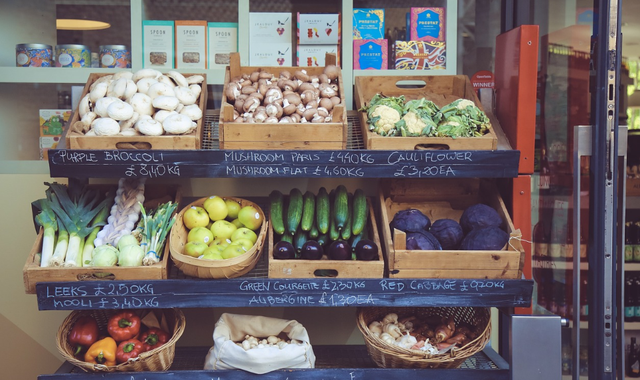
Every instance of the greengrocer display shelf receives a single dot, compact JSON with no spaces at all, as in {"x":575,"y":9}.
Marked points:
{"x":354,"y":162}
{"x":332,"y":362}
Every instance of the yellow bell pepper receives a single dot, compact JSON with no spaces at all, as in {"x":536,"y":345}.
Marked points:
{"x":102,"y":352}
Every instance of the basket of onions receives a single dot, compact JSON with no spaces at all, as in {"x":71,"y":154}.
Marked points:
{"x":423,"y":337}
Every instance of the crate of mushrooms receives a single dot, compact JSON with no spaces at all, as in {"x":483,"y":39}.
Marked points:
{"x":283,"y":107}
{"x":144,"y":109}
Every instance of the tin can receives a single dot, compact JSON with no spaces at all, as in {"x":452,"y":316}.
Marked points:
{"x":115,"y":56}
{"x":33,"y":55}
{"x":73,"y":56}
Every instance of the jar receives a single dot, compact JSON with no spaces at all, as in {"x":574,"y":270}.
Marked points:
{"x":33,"y":55}
{"x":73,"y":56}
{"x":115,"y":56}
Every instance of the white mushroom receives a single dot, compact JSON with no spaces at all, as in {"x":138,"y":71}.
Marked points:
{"x":178,"y":78}
{"x":102,"y":104}
{"x":120,"y":110}
{"x":196,"y":89}
{"x":88,"y":118}
{"x":99,"y":91}
{"x":91,"y":132}
{"x":392,"y":330}
{"x":195,"y":79}
{"x":141,"y":104}
{"x":126,"y":74}
{"x":179,"y":108}
{"x":105,"y":126}
{"x":193,"y":112}
{"x":117,"y":88}
{"x":131,"y":89}
{"x":145,"y":73}
{"x":148,"y":126}
{"x":164,"y":102}
{"x":178,"y":124}
{"x":166,"y":80}
{"x":160,"y":88}
{"x":129,"y":123}
{"x":186,"y":95}
{"x":390,"y":318}
{"x":162,"y":114}
{"x":129,"y":132}
{"x":85,"y":106}
{"x":144,"y":84}
{"x":104,"y":79}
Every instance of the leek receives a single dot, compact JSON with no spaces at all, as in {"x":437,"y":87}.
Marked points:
{"x":47,"y":220}
{"x":75,"y":209}
{"x":155,"y":225}
{"x":59,"y":254}
{"x":87,"y":251}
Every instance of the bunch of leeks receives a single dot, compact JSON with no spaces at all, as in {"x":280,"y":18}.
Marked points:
{"x":155,"y":226}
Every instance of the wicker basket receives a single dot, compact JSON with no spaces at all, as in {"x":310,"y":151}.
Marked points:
{"x":158,"y":359}
{"x":229,"y":268}
{"x":391,"y":356}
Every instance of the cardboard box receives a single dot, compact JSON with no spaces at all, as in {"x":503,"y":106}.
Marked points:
{"x":223,"y":40}
{"x":439,"y":199}
{"x":46,"y":143}
{"x":370,"y":55}
{"x":420,"y":55}
{"x":314,"y":55}
{"x":270,"y":39}
{"x":368,"y":24}
{"x":191,"y":44}
{"x":318,"y":29}
{"x":52,"y":122}
{"x":158,"y":44}
{"x":427,"y":24}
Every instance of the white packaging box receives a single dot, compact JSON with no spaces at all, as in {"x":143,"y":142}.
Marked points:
{"x":223,"y":39}
{"x":191,"y":44}
{"x":319,"y":29}
{"x":314,"y":55}
{"x":157,"y":44}
{"x":270,"y":37}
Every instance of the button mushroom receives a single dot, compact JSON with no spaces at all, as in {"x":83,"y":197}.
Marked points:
{"x":120,"y":110}
{"x":232,"y":91}
{"x":146,"y":73}
{"x":149,"y":127}
{"x":186,"y":95}
{"x":332,"y":72}
{"x":274,"y":110}
{"x":163,"y":102}
{"x":160,"y":88}
{"x":85,"y":106}
{"x":301,"y":75}
{"x":178,"y":124}
{"x":144,"y":84}
{"x":104,"y":126}
{"x":326,"y":103}
{"x":141,"y":104}
{"x":193,"y":111}
{"x":117,"y":88}
{"x":195,"y":79}
{"x":129,"y":123}
{"x":99,"y":91}
{"x":101,"y":105}
{"x":178,"y":78}
{"x":162,"y":114}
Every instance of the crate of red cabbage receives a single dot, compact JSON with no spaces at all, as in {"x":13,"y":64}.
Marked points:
{"x":448,"y":228}
{"x":423,"y":112}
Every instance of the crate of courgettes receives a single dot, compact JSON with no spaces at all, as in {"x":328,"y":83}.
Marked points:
{"x":323,"y":234}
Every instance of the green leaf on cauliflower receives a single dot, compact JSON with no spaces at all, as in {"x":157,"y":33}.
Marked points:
{"x":383,"y":112}
{"x":461,"y":118}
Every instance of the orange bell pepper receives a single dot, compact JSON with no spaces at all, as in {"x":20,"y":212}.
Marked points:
{"x":102,"y":352}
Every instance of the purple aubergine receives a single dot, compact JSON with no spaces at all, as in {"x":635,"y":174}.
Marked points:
{"x":339,"y":250}
{"x":284,"y":250}
{"x":366,"y":250}
{"x":311,"y":250}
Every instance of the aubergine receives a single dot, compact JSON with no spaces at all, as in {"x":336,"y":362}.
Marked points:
{"x":284,"y":250}
{"x":366,"y":250}
{"x":311,"y":250}
{"x":339,"y":250}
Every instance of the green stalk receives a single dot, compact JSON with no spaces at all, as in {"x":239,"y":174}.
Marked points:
{"x":87,"y":251}
{"x":60,"y":251}
{"x":156,"y":225}
{"x":47,"y":220}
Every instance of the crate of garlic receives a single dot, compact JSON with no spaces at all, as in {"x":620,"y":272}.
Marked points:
{"x":283,"y":107}
{"x":145,"y":109}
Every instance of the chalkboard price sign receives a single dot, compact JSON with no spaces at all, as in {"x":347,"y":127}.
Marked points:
{"x":282,"y":292}
{"x":282,"y":163}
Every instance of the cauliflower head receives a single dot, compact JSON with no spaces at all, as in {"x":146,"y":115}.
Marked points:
{"x":383,"y":120}
{"x":411,"y":124}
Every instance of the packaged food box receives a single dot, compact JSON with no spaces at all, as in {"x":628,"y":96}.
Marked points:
{"x":427,"y":24}
{"x":270,"y":39}
{"x":368,"y":23}
{"x":370,"y":55}
{"x":158,"y":44}
{"x":318,"y":28}
{"x":314,"y":55}
{"x":223,"y":40}
{"x":52,"y":122}
{"x":420,"y":55}
{"x":191,"y":44}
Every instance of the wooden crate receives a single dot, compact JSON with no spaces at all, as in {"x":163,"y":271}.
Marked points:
{"x":32,"y":273}
{"x":441,"y":89}
{"x":298,"y":268}
{"x":446,"y":198}
{"x":316,"y":136}
{"x":192,"y":140}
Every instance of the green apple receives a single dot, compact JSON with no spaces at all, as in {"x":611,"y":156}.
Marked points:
{"x":244,"y":233}
{"x":244,"y":243}
{"x":212,"y":253}
{"x":233,"y":250}
{"x":236,"y":222}
{"x":250,"y":217}
{"x":195,"y":248}
{"x":202,"y":234}
{"x":126,"y":240}
{"x":216,"y":207}
{"x":222,"y":229}
{"x":218,"y":248}
{"x":220,"y":242}
{"x":195,"y":216}
{"x":233,"y":208}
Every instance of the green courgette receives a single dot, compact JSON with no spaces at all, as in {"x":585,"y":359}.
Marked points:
{"x":276,"y":201}
{"x":341,"y":207}
{"x":294,"y":212}
{"x":308,"y":210}
{"x":322,"y":210}
{"x":358,"y":212}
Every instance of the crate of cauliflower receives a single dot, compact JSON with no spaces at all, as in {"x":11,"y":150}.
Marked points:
{"x":144,"y":109}
{"x":424,"y":112}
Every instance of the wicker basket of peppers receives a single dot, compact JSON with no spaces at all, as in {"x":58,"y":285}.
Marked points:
{"x":120,"y":340}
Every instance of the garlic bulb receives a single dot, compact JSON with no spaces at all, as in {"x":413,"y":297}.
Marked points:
{"x":390,"y":318}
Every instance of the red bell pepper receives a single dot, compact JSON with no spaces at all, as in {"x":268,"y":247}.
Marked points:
{"x":154,"y":338}
{"x":83,"y":334}
{"x":123,"y":325}
{"x":128,"y":349}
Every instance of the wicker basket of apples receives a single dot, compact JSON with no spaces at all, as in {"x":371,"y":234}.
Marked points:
{"x":218,"y":237}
